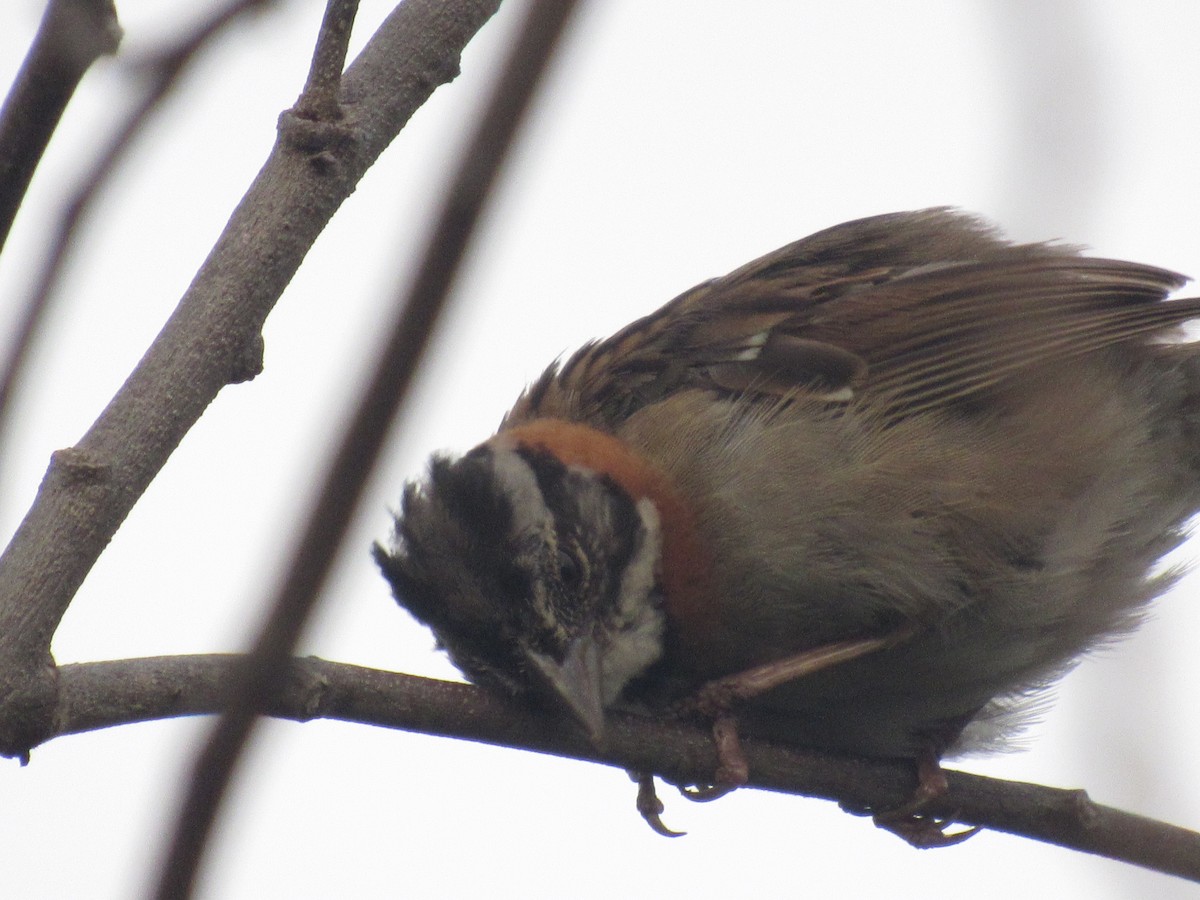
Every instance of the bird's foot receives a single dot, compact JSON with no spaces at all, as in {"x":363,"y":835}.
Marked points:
{"x":733,"y":769}
{"x":911,"y":823}
{"x":716,"y":701}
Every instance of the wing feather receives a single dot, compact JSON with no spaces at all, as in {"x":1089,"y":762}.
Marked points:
{"x":915,"y":310}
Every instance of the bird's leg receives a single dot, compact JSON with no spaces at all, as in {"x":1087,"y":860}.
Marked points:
{"x":717,"y":699}
{"x":721,"y":694}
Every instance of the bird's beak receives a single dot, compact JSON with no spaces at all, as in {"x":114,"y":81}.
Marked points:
{"x":575,"y":684}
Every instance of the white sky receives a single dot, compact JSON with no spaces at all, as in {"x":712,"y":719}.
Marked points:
{"x":675,"y":141}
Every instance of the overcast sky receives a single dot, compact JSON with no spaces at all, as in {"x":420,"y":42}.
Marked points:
{"x":675,"y":141}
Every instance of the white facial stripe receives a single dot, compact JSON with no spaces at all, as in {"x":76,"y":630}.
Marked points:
{"x":637,"y":581}
{"x":636,"y":641}
{"x":530,"y":513}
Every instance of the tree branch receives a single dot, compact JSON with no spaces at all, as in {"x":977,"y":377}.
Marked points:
{"x":72,"y":35}
{"x":319,"y":99}
{"x":100,"y":695}
{"x":212,"y":339}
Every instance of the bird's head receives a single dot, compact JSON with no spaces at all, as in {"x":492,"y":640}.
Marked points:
{"x":538,"y":577}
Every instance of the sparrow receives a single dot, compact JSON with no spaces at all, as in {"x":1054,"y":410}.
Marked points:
{"x":907,"y":470}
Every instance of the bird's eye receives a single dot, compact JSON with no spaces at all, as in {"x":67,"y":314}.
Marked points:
{"x":570,"y":573}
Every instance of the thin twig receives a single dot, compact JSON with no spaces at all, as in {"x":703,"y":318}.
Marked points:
{"x":364,"y":438}
{"x":99,"y":695}
{"x":72,"y":35}
{"x":319,"y":99}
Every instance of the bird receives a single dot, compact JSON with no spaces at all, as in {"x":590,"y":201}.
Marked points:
{"x":908,"y":469}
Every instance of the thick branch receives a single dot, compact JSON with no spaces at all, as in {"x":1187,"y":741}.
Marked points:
{"x":99,"y":695}
{"x":209,"y":341}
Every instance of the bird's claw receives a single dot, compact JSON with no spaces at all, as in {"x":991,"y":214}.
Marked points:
{"x":733,"y":769}
{"x":909,"y":821}
{"x":650,"y":807}
{"x":923,"y":832}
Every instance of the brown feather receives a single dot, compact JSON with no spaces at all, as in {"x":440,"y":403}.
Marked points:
{"x":916,"y":310}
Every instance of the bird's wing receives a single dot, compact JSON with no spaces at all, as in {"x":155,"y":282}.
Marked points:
{"x":918,"y":309}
